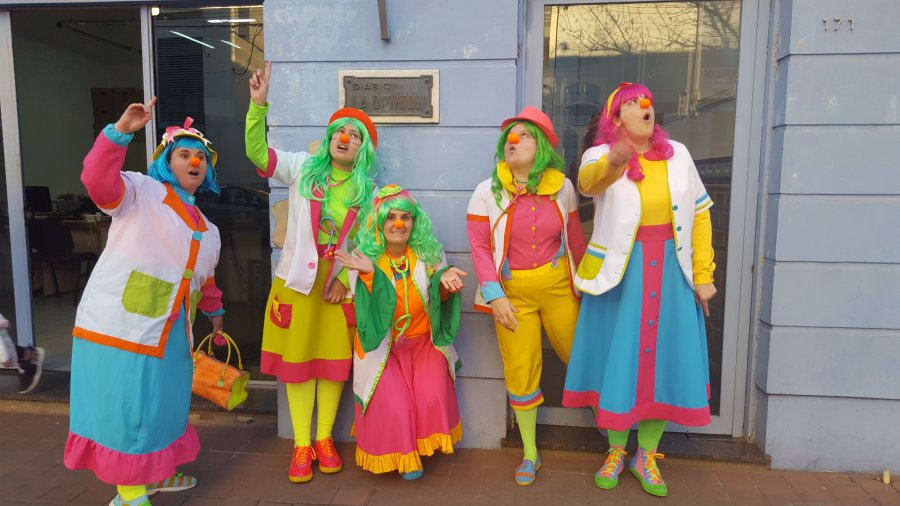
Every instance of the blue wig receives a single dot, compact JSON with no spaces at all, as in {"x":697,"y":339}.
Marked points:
{"x":162,"y":172}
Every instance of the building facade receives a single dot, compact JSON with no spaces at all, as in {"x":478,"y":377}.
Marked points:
{"x":789,"y":108}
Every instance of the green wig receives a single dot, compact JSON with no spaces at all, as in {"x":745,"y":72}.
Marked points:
{"x":422,"y":241}
{"x":545,"y":158}
{"x":317,"y":168}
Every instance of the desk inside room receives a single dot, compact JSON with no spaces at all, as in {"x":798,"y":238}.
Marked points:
{"x":63,"y":252}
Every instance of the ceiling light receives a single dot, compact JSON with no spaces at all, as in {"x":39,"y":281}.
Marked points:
{"x":233,"y":20}
{"x":192,"y":39}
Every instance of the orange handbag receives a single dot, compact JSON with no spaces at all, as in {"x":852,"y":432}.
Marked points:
{"x":218,"y":382}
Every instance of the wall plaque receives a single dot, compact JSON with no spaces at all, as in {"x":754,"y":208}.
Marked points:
{"x":392,"y":96}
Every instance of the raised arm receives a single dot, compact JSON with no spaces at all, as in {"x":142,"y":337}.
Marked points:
{"x":103,"y":164}
{"x":595,"y":176}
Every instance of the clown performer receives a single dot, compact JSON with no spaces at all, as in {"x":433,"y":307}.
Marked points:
{"x":525,"y":234}
{"x":308,"y":319}
{"x":407,"y":314}
{"x":639,"y":355}
{"x":131,"y":356}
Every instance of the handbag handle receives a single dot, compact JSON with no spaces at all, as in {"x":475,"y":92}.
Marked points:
{"x":229,"y":341}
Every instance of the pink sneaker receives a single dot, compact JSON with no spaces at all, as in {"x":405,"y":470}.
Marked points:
{"x":301,"y":464}
{"x":329,"y":460}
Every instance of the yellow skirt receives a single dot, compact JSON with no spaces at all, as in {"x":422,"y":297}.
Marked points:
{"x":305,"y":337}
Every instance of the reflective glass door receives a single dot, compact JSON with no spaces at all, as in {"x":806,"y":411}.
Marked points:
{"x":203,"y":59}
{"x":686,"y":53}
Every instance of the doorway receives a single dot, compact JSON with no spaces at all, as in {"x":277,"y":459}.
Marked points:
{"x":76,"y":71}
{"x":688,"y":54}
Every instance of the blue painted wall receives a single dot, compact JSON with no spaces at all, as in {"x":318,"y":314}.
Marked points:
{"x":829,"y":325}
{"x":310,"y":41}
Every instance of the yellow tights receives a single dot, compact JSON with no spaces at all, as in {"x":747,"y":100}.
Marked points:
{"x":325,"y":394}
{"x":131,"y":492}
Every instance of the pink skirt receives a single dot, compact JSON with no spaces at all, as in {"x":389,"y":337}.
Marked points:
{"x":412,"y":413}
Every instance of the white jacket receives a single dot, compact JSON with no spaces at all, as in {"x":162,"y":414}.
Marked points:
{"x":154,"y":259}
{"x":299,"y":256}
{"x":617,"y":215}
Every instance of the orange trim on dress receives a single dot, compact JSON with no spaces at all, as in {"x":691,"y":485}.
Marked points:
{"x":477,"y":217}
{"x":115,"y":342}
{"x":172,"y":200}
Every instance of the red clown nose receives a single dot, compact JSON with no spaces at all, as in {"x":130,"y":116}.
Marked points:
{"x":344,"y":138}
{"x":645,"y":103}
{"x":398,"y":224}
{"x":194,"y":162}
{"x":513,"y":138}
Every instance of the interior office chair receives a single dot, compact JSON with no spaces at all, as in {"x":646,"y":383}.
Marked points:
{"x":51,"y":243}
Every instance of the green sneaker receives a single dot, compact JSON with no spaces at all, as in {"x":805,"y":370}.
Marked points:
{"x":643,"y":467}
{"x":607,"y":477}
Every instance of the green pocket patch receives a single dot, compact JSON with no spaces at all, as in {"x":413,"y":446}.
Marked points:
{"x":146,"y":295}
{"x":195,"y":299}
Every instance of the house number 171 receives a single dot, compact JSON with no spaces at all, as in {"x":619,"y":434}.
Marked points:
{"x":834,"y":24}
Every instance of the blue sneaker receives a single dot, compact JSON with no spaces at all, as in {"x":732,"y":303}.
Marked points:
{"x":527,"y":471}
{"x":413,"y":475}
{"x":140,"y":501}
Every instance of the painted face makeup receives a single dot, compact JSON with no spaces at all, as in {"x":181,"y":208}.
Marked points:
{"x":189,"y":167}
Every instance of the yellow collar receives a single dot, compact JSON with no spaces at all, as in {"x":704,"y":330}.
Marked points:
{"x":551,"y":180}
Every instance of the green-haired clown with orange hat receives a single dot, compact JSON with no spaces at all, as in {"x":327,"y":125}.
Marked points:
{"x":306,"y":328}
{"x":526,"y":238}
{"x":407,"y":314}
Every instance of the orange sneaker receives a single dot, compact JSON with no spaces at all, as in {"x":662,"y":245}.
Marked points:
{"x":301,"y":464}
{"x":329,"y":460}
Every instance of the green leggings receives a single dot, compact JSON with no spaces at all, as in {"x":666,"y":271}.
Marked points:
{"x":649,"y":434}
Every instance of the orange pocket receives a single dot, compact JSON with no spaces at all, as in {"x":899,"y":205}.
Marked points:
{"x":280,"y":314}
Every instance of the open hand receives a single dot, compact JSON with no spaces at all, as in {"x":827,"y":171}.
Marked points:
{"x":450,"y":279}
{"x":259,"y":85}
{"x":504,"y":313}
{"x":357,"y":261}
{"x":135,"y":117}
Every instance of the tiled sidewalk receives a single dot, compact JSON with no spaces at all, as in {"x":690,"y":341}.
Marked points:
{"x":245,"y":464}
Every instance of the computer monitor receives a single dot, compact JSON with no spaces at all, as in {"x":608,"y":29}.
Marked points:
{"x":37,"y":199}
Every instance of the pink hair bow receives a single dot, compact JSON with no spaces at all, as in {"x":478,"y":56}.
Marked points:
{"x":172,"y":131}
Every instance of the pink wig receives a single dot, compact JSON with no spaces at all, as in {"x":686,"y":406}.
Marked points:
{"x":607,"y":133}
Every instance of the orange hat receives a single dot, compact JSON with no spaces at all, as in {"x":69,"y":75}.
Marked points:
{"x":350,"y":112}
{"x":536,"y":116}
